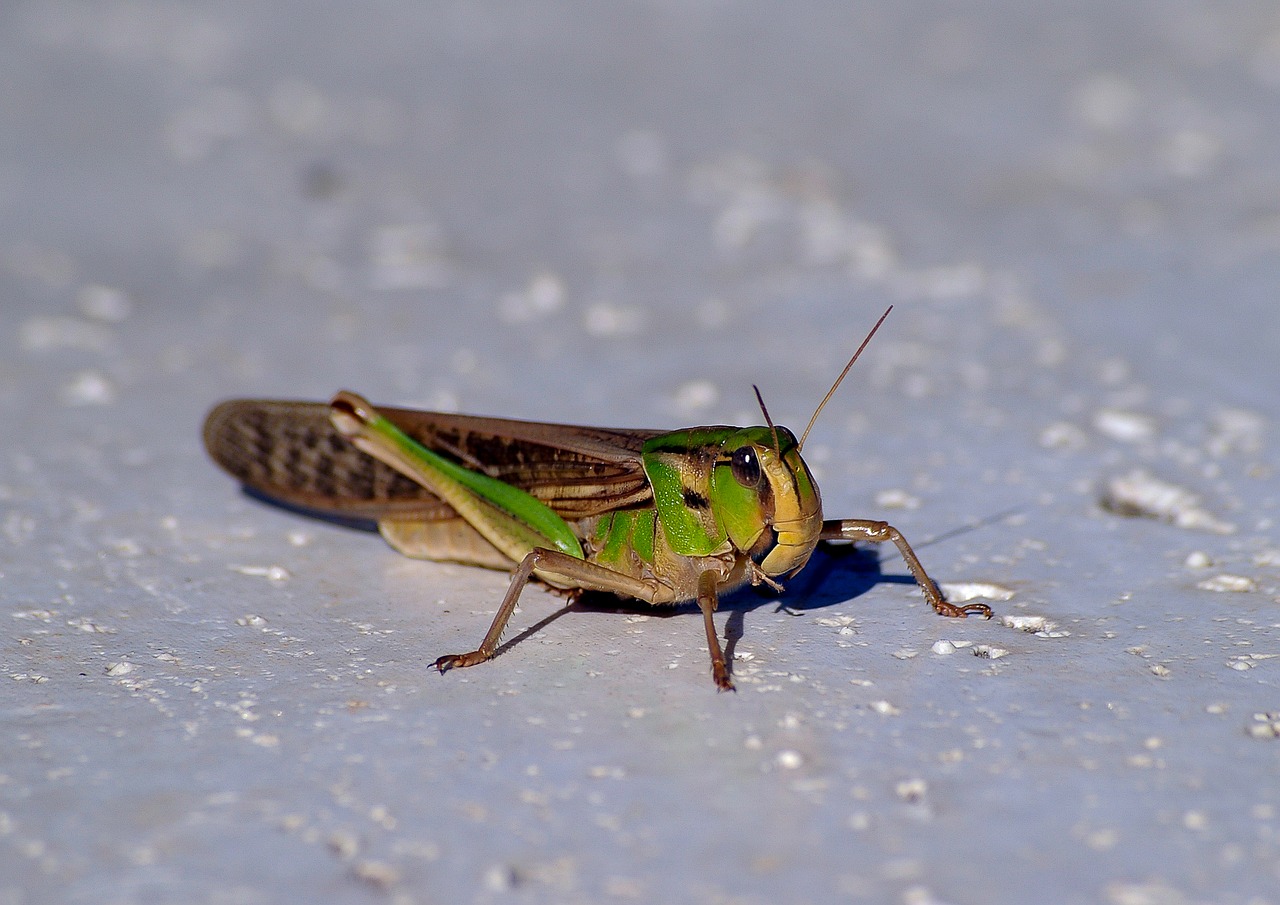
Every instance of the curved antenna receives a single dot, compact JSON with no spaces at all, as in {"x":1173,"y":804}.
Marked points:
{"x":831,"y":392}
{"x":777,"y":447}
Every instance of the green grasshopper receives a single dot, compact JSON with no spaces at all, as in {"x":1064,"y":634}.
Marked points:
{"x":659,"y":516}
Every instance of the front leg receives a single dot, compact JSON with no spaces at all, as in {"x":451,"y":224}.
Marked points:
{"x":878,"y":532}
{"x":708,"y":600}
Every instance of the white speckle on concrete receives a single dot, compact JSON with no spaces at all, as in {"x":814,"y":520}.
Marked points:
{"x":1264,"y":724}
{"x":1227,"y":583}
{"x":1198,"y":559}
{"x":275,"y":574}
{"x":911,"y":790}
{"x":378,"y":874}
{"x":965,"y":591}
{"x":1063,"y":435}
{"x":543,"y":296}
{"x":788,"y":759}
{"x":1268,"y":558}
{"x":1040,"y":626}
{"x":694,"y":397}
{"x":896,"y":499}
{"x":1140,"y":494}
{"x":278,"y":203}
{"x":1124,"y":426}
{"x":605,"y":320}
{"x":88,"y":388}
{"x":104,"y":303}
{"x":1236,"y":431}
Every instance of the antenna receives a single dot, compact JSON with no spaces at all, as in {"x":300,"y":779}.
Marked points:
{"x":777,"y":447}
{"x":831,"y":392}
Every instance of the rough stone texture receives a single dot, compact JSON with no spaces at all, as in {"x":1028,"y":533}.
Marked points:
{"x":626,"y":215}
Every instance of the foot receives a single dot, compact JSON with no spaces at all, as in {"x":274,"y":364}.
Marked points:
{"x":959,"y":612}
{"x":449,"y":661}
{"x":720,"y":673}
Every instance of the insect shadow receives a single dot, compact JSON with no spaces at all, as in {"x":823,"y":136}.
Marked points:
{"x":836,"y":573}
{"x":353,"y":521}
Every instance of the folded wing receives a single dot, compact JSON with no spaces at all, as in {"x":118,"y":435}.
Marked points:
{"x":289,"y":452}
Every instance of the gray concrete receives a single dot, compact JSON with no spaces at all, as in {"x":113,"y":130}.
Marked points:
{"x":626,"y":215}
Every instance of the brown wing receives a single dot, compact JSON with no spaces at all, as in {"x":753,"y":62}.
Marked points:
{"x":290,"y":452}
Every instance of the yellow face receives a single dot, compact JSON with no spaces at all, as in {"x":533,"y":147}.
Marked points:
{"x":766,"y":500}
{"x":797,"y":512}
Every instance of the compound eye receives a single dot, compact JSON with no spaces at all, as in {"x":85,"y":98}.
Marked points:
{"x":745,"y":466}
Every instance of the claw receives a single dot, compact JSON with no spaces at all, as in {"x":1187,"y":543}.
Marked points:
{"x":720,"y":673}
{"x":449,"y":661}
{"x":959,"y":612}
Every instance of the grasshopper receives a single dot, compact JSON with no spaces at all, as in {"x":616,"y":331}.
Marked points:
{"x":660,"y":516}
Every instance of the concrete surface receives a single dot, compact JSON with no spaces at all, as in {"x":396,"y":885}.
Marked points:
{"x":626,"y":214}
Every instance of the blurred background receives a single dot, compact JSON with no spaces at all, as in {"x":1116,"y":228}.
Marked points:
{"x":626,"y":215}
